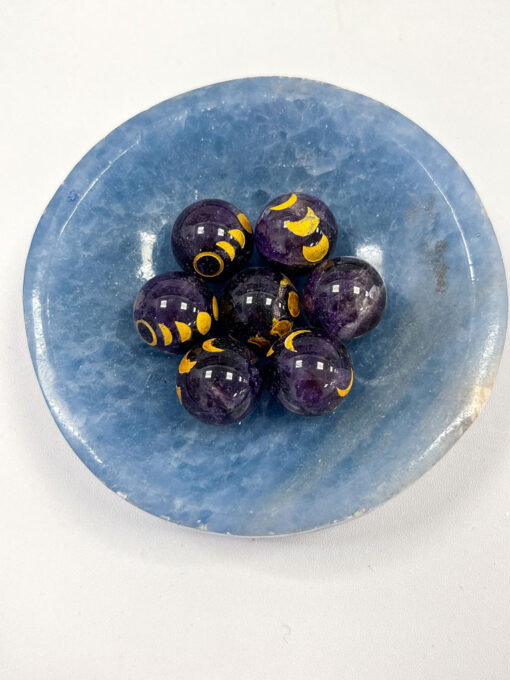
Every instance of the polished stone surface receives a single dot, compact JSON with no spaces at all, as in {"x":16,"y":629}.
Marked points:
{"x":402,"y":203}
{"x":309,"y":373}
{"x":295,"y":232}
{"x":212,"y":239}
{"x":219,"y":381}
{"x":174,"y":311}
{"x":259,"y":306}
{"x":345,"y":297}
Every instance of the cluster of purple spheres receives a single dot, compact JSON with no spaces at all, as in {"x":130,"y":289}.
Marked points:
{"x":220,"y":377}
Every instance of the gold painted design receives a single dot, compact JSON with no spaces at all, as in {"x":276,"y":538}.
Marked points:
{"x":186,"y":365}
{"x":286,"y":282}
{"x":228,"y":248}
{"x":318,"y":251}
{"x":344,"y":393}
{"x":203,"y":322}
{"x":294,"y":304}
{"x":281,"y":328}
{"x":245,"y":223}
{"x":305,"y":226}
{"x":153,"y":334}
{"x":259,"y":341}
{"x":286,"y":204}
{"x":179,"y":395}
{"x":208,"y":253}
{"x":166,"y":333}
{"x":270,"y":351}
{"x":209,"y":347}
{"x":184,"y":331}
{"x":215,"y":310}
{"x":239,"y":236}
{"x":289,"y":340}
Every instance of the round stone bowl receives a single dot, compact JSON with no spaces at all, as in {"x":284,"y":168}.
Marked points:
{"x":401,"y":202}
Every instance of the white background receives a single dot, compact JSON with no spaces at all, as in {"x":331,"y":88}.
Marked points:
{"x":91,"y":587}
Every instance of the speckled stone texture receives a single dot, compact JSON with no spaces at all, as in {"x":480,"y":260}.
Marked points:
{"x":403,"y":204}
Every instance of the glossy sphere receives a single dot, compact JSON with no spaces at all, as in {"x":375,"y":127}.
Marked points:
{"x":345,"y":297}
{"x":295,"y":232}
{"x":212,"y":238}
{"x":219,"y":382}
{"x":309,"y":373}
{"x":259,"y":306}
{"x":174,"y":311}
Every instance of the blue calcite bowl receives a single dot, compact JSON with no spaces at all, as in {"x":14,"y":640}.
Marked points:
{"x":401,"y":202}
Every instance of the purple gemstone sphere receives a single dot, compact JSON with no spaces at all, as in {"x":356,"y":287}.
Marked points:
{"x":309,"y":373}
{"x":174,"y":311}
{"x":219,"y":382}
{"x":295,"y":232}
{"x":259,"y":306}
{"x":213,"y":239}
{"x":345,"y":297}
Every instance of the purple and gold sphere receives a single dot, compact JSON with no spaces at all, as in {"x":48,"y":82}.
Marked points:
{"x":174,"y":311}
{"x":259,"y":306}
{"x":219,"y":382}
{"x":345,"y":297}
{"x":295,"y":232}
{"x":309,"y":373}
{"x":213,"y":239}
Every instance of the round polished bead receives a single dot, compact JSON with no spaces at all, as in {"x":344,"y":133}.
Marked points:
{"x":219,"y":382}
{"x":345,"y":297}
{"x":295,"y":232}
{"x":174,"y":311}
{"x":309,"y":373}
{"x":259,"y":306}
{"x":213,"y":239}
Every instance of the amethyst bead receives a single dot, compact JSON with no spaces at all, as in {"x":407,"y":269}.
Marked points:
{"x":309,"y":373}
{"x":259,"y":306}
{"x":295,"y":232}
{"x":213,"y":239}
{"x":219,"y":381}
{"x":345,"y":297}
{"x":174,"y":311}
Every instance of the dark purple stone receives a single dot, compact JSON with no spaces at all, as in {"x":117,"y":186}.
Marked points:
{"x":174,"y":311}
{"x":259,"y":306}
{"x":295,"y":232}
{"x":309,"y":373}
{"x":219,"y":382}
{"x":213,"y":239}
{"x":345,"y":297}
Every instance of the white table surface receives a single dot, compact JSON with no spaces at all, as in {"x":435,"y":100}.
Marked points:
{"x":91,"y":587}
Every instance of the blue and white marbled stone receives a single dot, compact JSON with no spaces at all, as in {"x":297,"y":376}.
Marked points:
{"x":401,"y":202}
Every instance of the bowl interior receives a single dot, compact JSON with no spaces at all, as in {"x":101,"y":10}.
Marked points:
{"x":401,"y":202}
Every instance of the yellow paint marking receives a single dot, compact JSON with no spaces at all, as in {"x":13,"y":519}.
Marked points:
{"x":208,"y":253}
{"x":259,"y":341}
{"x":270,"y":351}
{"x":209,"y":347}
{"x":166,"y":333}
{"x":245,"y":223}
{"x":239,"y":236}
{"x":186,"y":365}
{"x":153,"y":334}
{"x":281,"y":328}
{"x":184,"y":331}
{"x":215,"y":310}
{"x":293,"y":304}
{"x":287,"y":282}
{"x":203,"y":322}
{"x":179,"y":395}
{"x":344,"y":393}
{"x":287,"y":204}
{"x":289,"y":340}
{"x":228,"y":248}
{"x":317,"y":252}
{"x":305,"y":226}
